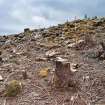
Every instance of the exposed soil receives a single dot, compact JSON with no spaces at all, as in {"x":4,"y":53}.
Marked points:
{"x":27,"y":51}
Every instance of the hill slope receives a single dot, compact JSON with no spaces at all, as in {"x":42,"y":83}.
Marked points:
{"x":79,"y":41}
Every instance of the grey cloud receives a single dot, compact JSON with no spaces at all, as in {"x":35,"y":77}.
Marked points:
{"x":16,"y":15}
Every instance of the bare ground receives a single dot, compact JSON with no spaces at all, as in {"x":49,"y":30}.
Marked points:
{"x":36,"y":90}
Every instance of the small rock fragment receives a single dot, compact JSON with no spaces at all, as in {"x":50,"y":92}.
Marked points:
{"x":74,"y":67}
{"x":61,"y":59}
{"x":24,"y":73}
{"x":41,"y":59}
{"x":72,"y":98}
{"x":44,"y":72}
{"x":51,"y":53}
{"x":72,"y":45}
{"x":77,"y":44}
{"x":1,"y":78}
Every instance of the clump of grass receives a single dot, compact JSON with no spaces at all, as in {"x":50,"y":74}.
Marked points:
{"x":13,"y":88}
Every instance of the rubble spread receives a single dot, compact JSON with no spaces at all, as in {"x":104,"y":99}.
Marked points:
{"x":74,"y":52}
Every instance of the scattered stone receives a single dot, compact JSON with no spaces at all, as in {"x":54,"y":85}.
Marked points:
{"x":16,"y":35}
{"x":24,"y":73}
{"x":72,"y":45}
{"x":61,"y":59}
{"x":44,"y":72}
{"x":5,"y":37}
{"x":2,"y":42}
{"x":1,"y":78}
{"x":77,"y":44}
{"x":37,"y":36}
{"x":41,"y":59}
{"x":51,"y":53}
{"x":22,"y":51}
{"x":74,"y":67}
{"x":49,"y":45}
{"x":86,"y":77}
{"x":100,"y":54}
{"x":8,"y":42}
{"x":98,"y":23}
{"x":77,"y":100}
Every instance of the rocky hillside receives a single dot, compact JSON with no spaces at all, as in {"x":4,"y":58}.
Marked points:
{"x":27,"y":64}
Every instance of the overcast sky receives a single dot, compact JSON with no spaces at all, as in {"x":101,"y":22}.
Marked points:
{"x":15,"y":15}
